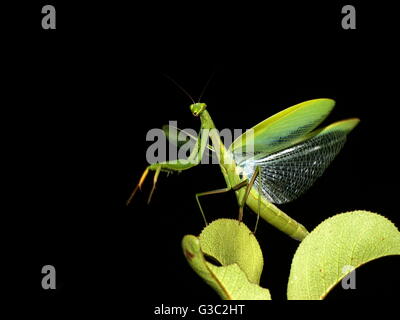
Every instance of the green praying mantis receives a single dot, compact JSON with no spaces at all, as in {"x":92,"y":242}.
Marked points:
{"x":287,"y":155}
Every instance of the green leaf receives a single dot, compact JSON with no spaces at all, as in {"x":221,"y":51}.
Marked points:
{"x":237,"y":250}
{"x":338,"y":245}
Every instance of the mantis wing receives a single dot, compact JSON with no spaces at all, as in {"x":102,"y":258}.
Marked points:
{"x":288,"y":173}
{"x":284,"y":128}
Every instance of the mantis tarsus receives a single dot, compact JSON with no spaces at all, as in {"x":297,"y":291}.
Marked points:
{"x":288,"y":155}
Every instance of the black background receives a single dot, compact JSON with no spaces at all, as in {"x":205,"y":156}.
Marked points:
{"x":83,"y":96}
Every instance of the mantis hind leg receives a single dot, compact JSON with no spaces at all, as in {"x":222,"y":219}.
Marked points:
{"x":259,"y":203}
{"x":217,"y":191}
{"x":246,"y":195}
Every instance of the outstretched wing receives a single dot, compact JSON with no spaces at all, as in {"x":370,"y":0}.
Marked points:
{"x":283,"y":129}
{"x":288,"y":173}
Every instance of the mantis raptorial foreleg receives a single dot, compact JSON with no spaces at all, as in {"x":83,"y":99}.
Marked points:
{"x":154,"y":183}
{"x":138,"y":186}
{"x":169,"y":166}
{"x":172,"y":166}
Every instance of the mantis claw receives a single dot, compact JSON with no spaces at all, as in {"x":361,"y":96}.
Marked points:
{"x":138,"y":186}
{"x":158,"y":170}
{"x":151,"y":194}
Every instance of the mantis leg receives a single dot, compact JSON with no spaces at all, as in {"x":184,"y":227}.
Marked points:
{"x":217,"y":191}
{"x":154,"y":183}
{"x":259,"y":201}
{"x":138,"y":186}
{"x":246,"y":195}
{"x":171,"y":166}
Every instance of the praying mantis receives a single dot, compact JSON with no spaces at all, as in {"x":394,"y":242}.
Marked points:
{"x":287,"y":155}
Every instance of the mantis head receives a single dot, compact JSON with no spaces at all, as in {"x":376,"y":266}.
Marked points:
{"x":197,"y":108}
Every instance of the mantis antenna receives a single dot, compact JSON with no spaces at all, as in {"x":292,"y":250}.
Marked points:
{"x":206,"y":85}
{"x":179,"y":86}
